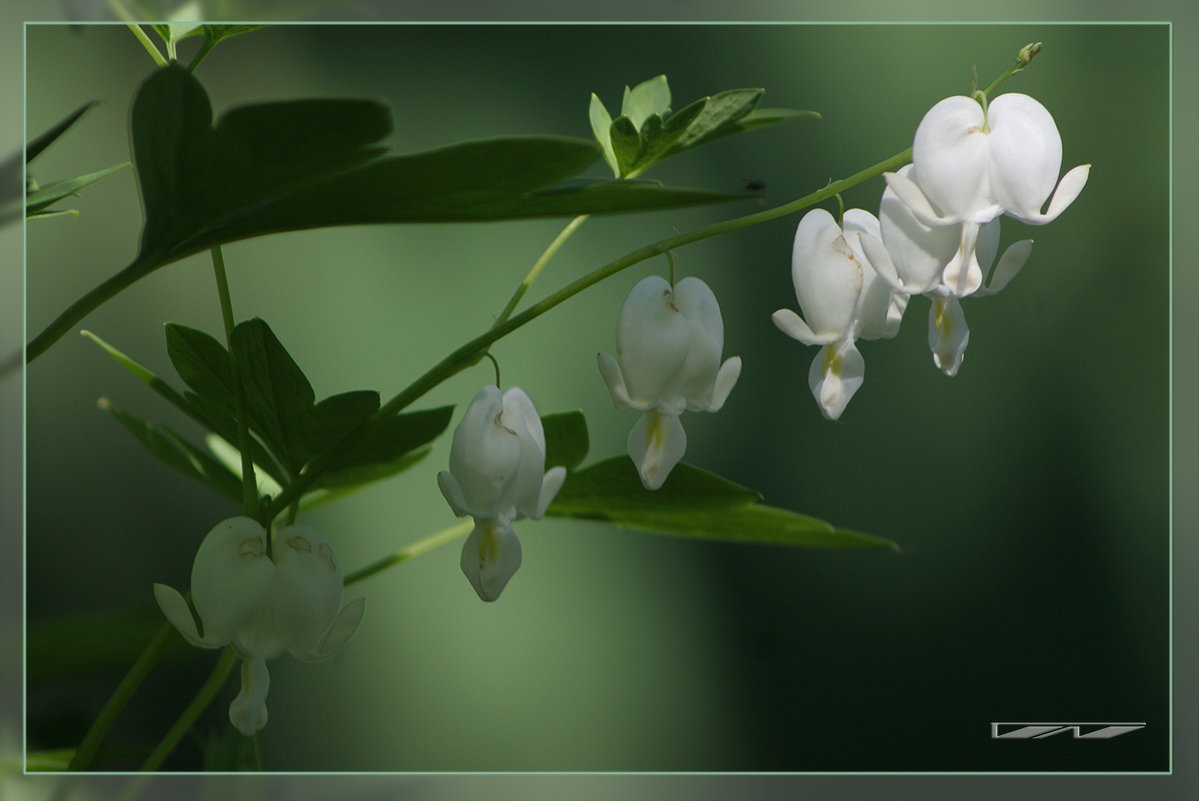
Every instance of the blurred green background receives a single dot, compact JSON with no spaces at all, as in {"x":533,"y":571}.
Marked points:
{"x":1029,"y":493}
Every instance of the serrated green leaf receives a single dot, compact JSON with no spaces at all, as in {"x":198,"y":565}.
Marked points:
{"x":279,"y":399}
{"x":626,"y":143}
{"x":46,"y":196}
{"x":566,"y":439}
{"x":178,"y":453}
{"x":646,"y":98}
{"x":601,"y":121}
{"x":34,"y":148}
{"x":693,"y":503}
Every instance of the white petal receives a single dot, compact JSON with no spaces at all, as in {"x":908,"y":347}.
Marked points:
{"x":343,"y":628}
{"x":452,"y":493}
{"x":826,"y":274}
{"x":860,"y":221}
{"x":793,"y":326}
{"x":726,"y":378}
{"x":520,"y":415}
{"x":918,"y":249}
{"x":951,"y":155}
{"x":307,"y":589}
{"x":880,"y":262}
{"x":948,"y":334}
{"x":656,"y":444}
{"x":880,"y":308}
{"x":1010,"y":263}
{"x":231,"y":577}
{"x":248,"y":710}
{"x":485,"y":455}
{"x":907,"y":192}
{"x":652,"y":338}
{"x":490,"y":555}
{"x":1026,"y":153}
{"x":550,"y":484}
{"x":835,"y":375}
{"x":175,"y":607}
{"x":963,"y":274}
{"x":1069,"y":189}
{"x":697,"y":303}
{"x":610,"y":371}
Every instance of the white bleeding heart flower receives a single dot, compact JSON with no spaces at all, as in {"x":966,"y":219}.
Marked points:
{"x":945,"y":262}
{"x":974,"y":164}
{"x":497,"y":475}
{"x":669,"y":343}
{"x":263,"y":605}
{"x":842,"y":298}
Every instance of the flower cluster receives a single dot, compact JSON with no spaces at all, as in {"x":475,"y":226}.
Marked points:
{"x":497,"y":475}
{"x":668,"y":348}
{"x":263,"y":605}
{"x":937,"y":235}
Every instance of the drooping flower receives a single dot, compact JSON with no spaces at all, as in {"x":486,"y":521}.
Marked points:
{"x":973,"y":164}
{"x":263,"y":606}
{"x":497,"y":475}
{"x":843,"y":299}
{"x":668,"y":349}
{"x":946,"y":262}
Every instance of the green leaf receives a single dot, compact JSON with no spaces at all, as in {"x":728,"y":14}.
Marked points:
{"x":45,"y":196}
{"x":392,"y":447}
{"x":644,"y":99}
{"x":143,"y":374}
{"x":41,"y":215}
{"x":279,"y":399}
{"x":566,"y":439}
{"x":626,"y":143}
{"x":337,"y":415}
{"x":769,"y":116}
{"x":219,"y":33}
{"x":601,"y":122}
{"x":722,"y":109}
{"x":194,"y":175}
{"x":657,"y":137}
{"x":694,"y":503}
{"x":591,"y":197}
{"x":268,"y":483}
{"x":202,"y":362}
{"x":615,"y":482}
{"x":202,"y":186}
{"x":179,"y":454}
{"x":34,"y":148}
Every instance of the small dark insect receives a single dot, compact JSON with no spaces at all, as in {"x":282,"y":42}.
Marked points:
{"x":753,"y":185}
